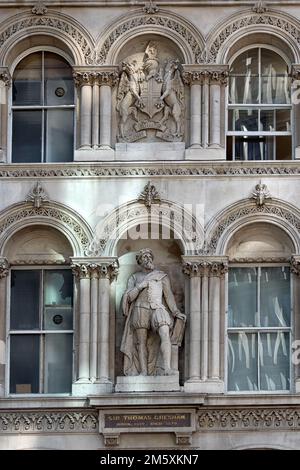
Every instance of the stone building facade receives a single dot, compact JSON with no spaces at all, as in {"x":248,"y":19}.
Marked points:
{"x":169,"y":125}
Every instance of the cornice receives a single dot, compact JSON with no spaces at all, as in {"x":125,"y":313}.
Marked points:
{"x":176,"y":169}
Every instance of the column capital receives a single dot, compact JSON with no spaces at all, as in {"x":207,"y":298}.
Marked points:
{"x":107,"y":75}
{"x":95,"y":268}
{"x":295,"y":265}
{"x":4,"y":268}
{"x":5,"y":76}
{"x":200,"y":73}
{"x":213,"y":266}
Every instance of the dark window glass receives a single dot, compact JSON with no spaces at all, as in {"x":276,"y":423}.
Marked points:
{"x":24,"y":363}
{"x":25,"y":292}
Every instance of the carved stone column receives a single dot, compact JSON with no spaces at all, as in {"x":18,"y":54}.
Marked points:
{"x":84,"y":80}
{"x":205,"y":327}
{"x":107,"y":79}
{"x":107,"y":273}
{"x":94,"y":276}
{"x":5,"y":82}
{"x":212,"y":78}
{"x":295,"y":279}
{"x":4,"y":270}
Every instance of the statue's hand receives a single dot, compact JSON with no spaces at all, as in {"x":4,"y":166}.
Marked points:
{"x":143,"y":285}
{"x":180,"y":315}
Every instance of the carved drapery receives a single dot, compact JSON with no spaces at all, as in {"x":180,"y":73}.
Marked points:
{"x":206,"y":276}
{"x":205,"y":116}
{"x":95,"y":105}
{"x":94,"y":277}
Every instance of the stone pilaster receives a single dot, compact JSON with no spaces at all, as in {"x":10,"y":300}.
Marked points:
{"x":94,"y":277}
{"x":4,"y":271}
{"x":207,"y":106}
{"x":206,"y":277}
{"x":295,"y":88}
{"x":5,"y":83}
{"x":295,"y":279}
{"x":95,"y":85}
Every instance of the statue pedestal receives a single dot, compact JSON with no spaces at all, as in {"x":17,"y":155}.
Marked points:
{"x":150,"y":383}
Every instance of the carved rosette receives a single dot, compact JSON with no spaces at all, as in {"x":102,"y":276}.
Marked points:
{"x":205,"y":268}
{"x":4,"y":268}
{"x":108,"y":78}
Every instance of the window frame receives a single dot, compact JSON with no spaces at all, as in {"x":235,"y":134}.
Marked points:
{"x":259,"y":106}
{"x":11,"y":107}
{"x":39,"y":332}
{"x":257,"y":330}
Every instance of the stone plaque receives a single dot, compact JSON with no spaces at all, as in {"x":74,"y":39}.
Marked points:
{"x":147,"y":420}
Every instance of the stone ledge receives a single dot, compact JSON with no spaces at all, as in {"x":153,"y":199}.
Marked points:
{"x":158,"y":383}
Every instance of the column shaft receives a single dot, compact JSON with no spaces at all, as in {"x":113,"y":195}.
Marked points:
{"x":93,"y":334}
{"x":84,"y":330}
{"x":195,"y":296}
{"x":95,"y":116}
{"x":103,"y":330}
{"x":205,"y":114}
{"x":204,"y":332}
{"x":105,"y":116}
{"x":86,"y":116}
{"x":195,"y":115}
{"x":214,"y":299}
{"x":215,"y":114}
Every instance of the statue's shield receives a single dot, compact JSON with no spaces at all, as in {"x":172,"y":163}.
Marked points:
{"x":150,"y":94}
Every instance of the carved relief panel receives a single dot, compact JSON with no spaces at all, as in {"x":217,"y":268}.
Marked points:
{"x":150,"y":97}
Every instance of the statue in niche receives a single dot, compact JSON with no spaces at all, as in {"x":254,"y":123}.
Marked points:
{"x":148,"y":89}
{"x":153,"y":321}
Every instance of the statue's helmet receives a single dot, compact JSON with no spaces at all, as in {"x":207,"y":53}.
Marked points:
{"x":143,"y":252}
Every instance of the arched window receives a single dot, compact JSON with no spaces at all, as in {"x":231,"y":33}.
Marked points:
{"x":42,"y":109}
{"x":259,"y":107}
{"x":259,"y":310}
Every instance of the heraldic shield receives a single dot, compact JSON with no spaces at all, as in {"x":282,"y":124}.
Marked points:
{"x":150,"y":95}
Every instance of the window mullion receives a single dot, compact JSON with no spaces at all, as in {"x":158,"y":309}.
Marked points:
{"x":258,"y":361}
{"x":259,"y":75}
{"x":42,"y":348}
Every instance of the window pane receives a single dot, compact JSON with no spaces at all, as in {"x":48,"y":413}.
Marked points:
{"x":58,"y":288}
{"x":58,"y":318}
{"x":253,"y":147}
{"x":25,"y":292}
{"x":59,"y":135}
{"x":283,"y":147}
{"x":27,"y":81}
{"x":243,"y":120}
{"x":283,"y":120}
{"x":242,"y":297}
{"x":59,"y":83}
{"x":267,"y":120}
{"x":27,"y":136}
{"x":242,"y":362}
{"x":275,"y":297}
{"x":274,"y":360}
{"x":244,"y":80}
{"x":275,"y":80}
{"x":58,"y":363}
{"x":24,"y":363}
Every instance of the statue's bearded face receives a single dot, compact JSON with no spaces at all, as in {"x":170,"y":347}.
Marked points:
{"x":147,"y":261}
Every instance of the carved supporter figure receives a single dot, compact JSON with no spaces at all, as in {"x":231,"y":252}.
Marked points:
{"x":146,"y":337}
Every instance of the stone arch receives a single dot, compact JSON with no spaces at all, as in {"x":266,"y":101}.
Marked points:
{"x":281,"y":26}
{"x":51,"y":214}
{"x":69,"y":35}
{"x":167,"y":24}
{"x":227,"y":222}
{"x":187,"y":230}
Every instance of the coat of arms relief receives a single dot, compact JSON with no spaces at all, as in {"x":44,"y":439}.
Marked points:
{"x":150,"y":98}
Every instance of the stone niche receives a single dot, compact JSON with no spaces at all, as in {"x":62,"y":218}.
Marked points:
{"x":149,"y":101}
{"x":167,"y":257}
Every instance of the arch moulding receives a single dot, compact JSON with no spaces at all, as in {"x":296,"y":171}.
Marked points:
{"x":50,"y":214}
{"x":187,"y":230}
{"x":167,"y":24}
{"x":223,"y":36}
{"x":275,"y":212}
{"x":70,"y":32}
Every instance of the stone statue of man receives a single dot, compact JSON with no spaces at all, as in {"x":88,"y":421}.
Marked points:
{"x":150,"y":308}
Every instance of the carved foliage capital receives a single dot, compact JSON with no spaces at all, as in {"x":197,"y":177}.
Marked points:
{"x":205,"y":268}
{"x":95,"y":270}
{"x":295,"y":265}
{"x":4,"y":268}
{"x":109,"y":78}
{"x":5,"y":77}
{"x":191,"y":77}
